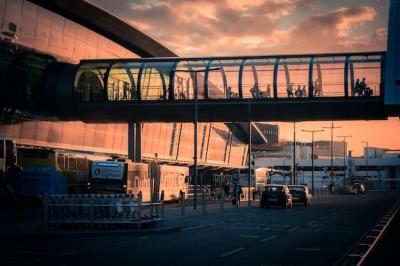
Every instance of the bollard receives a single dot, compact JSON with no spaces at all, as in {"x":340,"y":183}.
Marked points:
{"x":203,"y":194}
{"x":162,"y":213}
{"x":237,"y":199}
{"x":140,"y":212}
{"x":182,"y":197}
{"x":152,"y":197}
{"x":221,"y":202}
{"x":45,"y":212}
{"x":91,"y":214}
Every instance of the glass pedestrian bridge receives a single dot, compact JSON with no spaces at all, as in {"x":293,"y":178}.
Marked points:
{"x":343,"y":86}
{"x":259,"y":78}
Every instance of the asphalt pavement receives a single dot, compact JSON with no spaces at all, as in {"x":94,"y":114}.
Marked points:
{"x":316,"y":235}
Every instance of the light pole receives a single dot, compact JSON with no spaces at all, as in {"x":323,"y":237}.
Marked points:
{"x":344,"y":157}
{"x":331,"y":128}
{"x":312,"y":155}
{"x":196,"y":120}
{"x":366,"y":155}
{"x":293,"y":181}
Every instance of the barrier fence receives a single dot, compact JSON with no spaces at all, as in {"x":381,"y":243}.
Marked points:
{"x":101,"y":211}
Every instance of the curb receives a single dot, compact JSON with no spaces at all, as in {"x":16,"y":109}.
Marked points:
{"x":89,"y":233}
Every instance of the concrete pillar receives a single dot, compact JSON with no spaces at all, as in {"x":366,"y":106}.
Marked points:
{"x":135,"y":142}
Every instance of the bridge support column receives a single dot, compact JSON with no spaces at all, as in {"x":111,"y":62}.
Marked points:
{"x":135,"y":142}
{"x":249,"y":160}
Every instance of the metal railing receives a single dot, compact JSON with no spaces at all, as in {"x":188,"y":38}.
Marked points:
{"x":101,"y":211}
{"x":363,"y":248}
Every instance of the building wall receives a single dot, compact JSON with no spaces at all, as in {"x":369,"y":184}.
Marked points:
{"x":383,"y":173}
{"x":43,"y":31}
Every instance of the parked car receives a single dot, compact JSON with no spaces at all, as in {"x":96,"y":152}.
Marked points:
{"x":276,"y":195}
{"x":358,"y":188}
{"x":300,"y":194}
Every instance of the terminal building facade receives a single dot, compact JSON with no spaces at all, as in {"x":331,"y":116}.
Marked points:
{"x":36,"y":34}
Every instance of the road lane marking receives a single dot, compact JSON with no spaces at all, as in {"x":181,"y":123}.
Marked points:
{"x":194,"y":227}
{"x":266,"y":228}
{"x":231,"y":252}
{"x":248,"y":236}
{"x":293,"y":229}
{"x":308,"y":249}
{"x":311,"y":222}
{"x":268,"y":238}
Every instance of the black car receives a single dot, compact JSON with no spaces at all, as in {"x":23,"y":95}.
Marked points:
{"x":300,"y":194}
{"x":276,"y":195}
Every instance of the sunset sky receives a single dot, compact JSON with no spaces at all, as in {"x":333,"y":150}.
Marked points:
{"x":267,"y":27}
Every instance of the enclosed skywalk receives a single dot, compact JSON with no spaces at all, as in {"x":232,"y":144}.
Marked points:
{"x":224,"y":89}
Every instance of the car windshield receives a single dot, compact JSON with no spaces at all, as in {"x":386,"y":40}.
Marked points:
{"x":273,"y":189}
{"x":300,"y":189}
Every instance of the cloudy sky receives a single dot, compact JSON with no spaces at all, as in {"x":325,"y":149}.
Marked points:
{"x":262,"y":27}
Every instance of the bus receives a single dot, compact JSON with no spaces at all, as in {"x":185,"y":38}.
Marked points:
{"x":7,"y":166}
{"x":155,"y":179}
{"x":52,"y":172}
{"x":125,"y":176}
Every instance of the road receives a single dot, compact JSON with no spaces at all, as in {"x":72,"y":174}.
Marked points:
{"x":316,"y":235}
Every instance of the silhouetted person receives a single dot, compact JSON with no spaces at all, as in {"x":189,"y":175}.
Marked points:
{"x":289,"y":90}
{"x":303,"y":91}
{"x":298,"y":91}
{"x":268,"y":91}
{"x":229,"y":92}
{"x":356,"y":88}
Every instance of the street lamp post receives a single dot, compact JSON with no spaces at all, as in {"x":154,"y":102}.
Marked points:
{"x":332,"y":127}
{"x":293,"y":181}
{"x":366,"y":155}
{"x":196,"y":120}
{"x":312,"y":155}
{"x":344,"y":157}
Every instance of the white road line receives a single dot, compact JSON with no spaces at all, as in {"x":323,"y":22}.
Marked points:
{"x":231,"y":252}
{"x":308,"y":249}
{"x":248,"y":236}
{"x":311,"y":222}
{"x":268,"y":238}
{"x":193,"y":227}
{"x":293,"y":229}
{"x":266,"y":228}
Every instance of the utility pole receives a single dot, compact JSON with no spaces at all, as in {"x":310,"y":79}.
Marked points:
{"x":332,"y":127}
{"x":293,"y":181}
{"x":344,"y":157}
{"x":312,"y":155}
{"x":195,"y":121}
{"x":366,"y":155}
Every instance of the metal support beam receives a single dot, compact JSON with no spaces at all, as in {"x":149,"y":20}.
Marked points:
{"x":240,"y":81}
{"x":275,"y":81}
{"x":310,"y":78}
{"x":346,"y":77}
